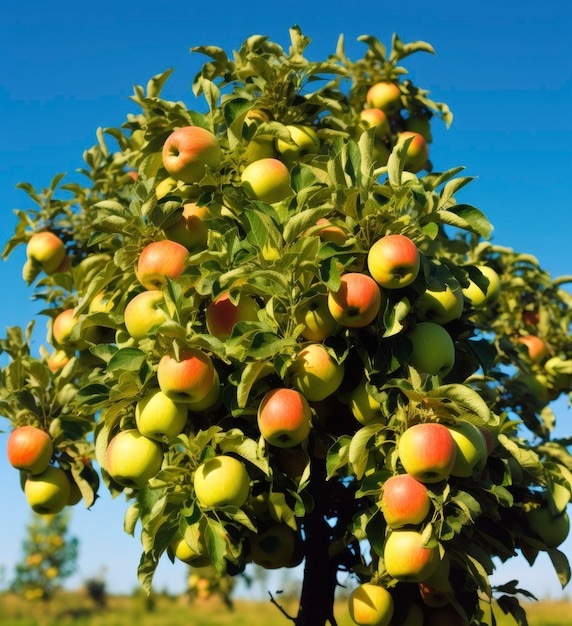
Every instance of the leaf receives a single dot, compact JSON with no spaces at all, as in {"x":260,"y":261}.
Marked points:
{"x":358,"y":456}
{"x":129,"y":359}
{"x":468,"y":218}
{"x":561,"y":565}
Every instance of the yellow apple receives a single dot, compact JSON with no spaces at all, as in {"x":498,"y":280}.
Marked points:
{"x":48,"y":492}
{"x":314,"y":373}
{"x":220,"y":481}
{"x":132,"y":459}
{"x":158,"y":417}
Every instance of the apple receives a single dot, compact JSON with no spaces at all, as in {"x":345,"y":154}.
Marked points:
{"x":220,"y":481}
{"x":304,"y":141}
{"x":30,"y":449}
{"x":143,"y":312}
{"x":552,"y":529}
{"x":99,"y":303}
{"x":191,"y":547}
{"x":364,"y":407}
{"x":440,"y":303}
{"x":386,"y":96}
{"x":315,"y":315}
{"x":433,"y":349}
{"x":535,"y":385}
{"x":375,"y":118}
{"x":381,"y":153}
{"x":419,"y":123}
{"x":132,"y":459}
{"x":188,"y":151}
{"x":284,"y":417}
{"x":432,"y":596}
{"x":404,"y":501}
{"x":158,"y":417}
{"x":48,"y":492}
{"x":160,"y":260}
{"x":222,"y":314}
{"x":267,"y":180}
{"x":58,"y":360}
{"x":427,"y":451}
{"x":46,"y":251}
{"x":314,"y":373}
{"x":484,"y":289}
{"x":531,"y":318}
{"x":261,"y":147}
{"x":417,"y":151}
{"x":330,"y":232}
{"x":63,"y":326}
{"x":371,"y":605}
{"x":191,"y":229}
{"x":275,"y":547}
{"x":357,"y":302}
{"x":406,"y":558}
{"x":471,"y":448}
{"x":188,"y":378}
{"x":536,"y":347}
{"x":394,"y":261}
{"x":210,"y":400}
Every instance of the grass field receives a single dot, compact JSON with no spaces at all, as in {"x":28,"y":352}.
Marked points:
{"x":76,"y":610}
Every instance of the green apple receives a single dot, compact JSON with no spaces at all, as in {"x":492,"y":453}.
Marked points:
{"x":133,"y":459}
{"x":144,"y":312}
{"x":191,"y":229}
{"x":315,"y":315}
{"x":419,"y":124}
{"x":267,"y":180}
{"x":357,"y":302}
{"x":160,"y":260}
{"x":48,"y":493}
{"x":30,"y":449}
{"x":417,"y":151}
{"x":427,"y":451}
{"x":188,"y":378}
{"x":484,"y":286}
{"x":364,"y":407}
{"x":552,"y":529}
{"x":275,"y":547}
{"x":191,"y":547}
{"x":394,"y":261}
{"x":284,"y":417}
{"x":304,"y":140}
{"x":222,"y":314}
{"x":220,"y":481}
{"x":261,"y":147}
{"x":381,"y":153}
{"x":158,"y":417}
{"x":471,"y":448}
{"x":386,"y":96}
{"x":188,"y":151}
{"x":314,"y":373}
{"x":210,"y":400}
{"x":433,"y":349}
{"x":441,"y":302}
{"x":371,"y":605}
{"x":406,"y":557}
{"x":46,"y":251}
{"x":404,"y":501}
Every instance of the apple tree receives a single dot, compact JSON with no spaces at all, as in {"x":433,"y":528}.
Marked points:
{"x":265,"y":308}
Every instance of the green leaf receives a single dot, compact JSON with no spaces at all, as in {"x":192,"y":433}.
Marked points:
{"x":468,"y":218}
{"x":128,"y":359}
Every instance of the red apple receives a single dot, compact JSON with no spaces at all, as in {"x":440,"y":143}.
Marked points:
{"x":160,"y":260}
{"x":394,"y":261}
{"x":188,"y":378}
{"x":284,"y":417}
{"x":417,"y":151}
{"x":427,"y":452}
{"x":30,"y":449}
{"x":357,"y":302}
{"x":537,"y":348}
{"x":222,"y":314}
{"x":188,"y":151}
{"x":404,"y":501}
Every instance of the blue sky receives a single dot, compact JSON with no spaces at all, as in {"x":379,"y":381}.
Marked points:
{"x":504,"y":68}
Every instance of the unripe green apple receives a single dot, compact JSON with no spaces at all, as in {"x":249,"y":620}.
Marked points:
{"x":188,"y":378}
{"x":158,"y":417}
{"x":364,"y":407}
{"x":222,"y":314}
{"x":304,"y":141}
{"x":30,"y":449}
{"x":317,"y":319}
{"x":419,"y":124}
{"x":484,"y":289}
{"x":191,"y":229}
{"x":284,"y":417}
{"x":406,"y":558}
{"x":275,"y":547}
{"x":371,"y":605}
{"x":433,"y":349}
{"x":191,"y":547}
{"x":144,"y":312}
{"x":357,"y":302}
{"x":133,"y":459}
{"x":314,"y":373}
{"x":471,"y":448}
{"x":46,"y":250}
{"x":188,"y":151}
{"x":394,"y":261}
{"x":267,"y":180}
{"x":160,"y":260}
{"x":404,"y":501}
{"x":48,"y":493}
{"x":417,"y":151}
{"x":221,"y":480}
{"x":552,"y":529}
{"x":386,"y":96}
{"x":261,"y":147}
{"x":381,"y":153}
{"x":441,"y":302}
{"x":427,"y":452}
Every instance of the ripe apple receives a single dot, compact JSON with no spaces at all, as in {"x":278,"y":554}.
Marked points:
{"x":537,"y":348}
{"x":58,"y":360}
{"x":364,"y":407}
{"x":191,"y":229}
{"x":222,"y":314}
{"x":317,"y":319}
{"x":188,"y":151}
{"x":304,"y":141}
{"x":393,"y":261}
{"x":314,"y":373}
{"x":62,"y":329}
{"x":404,"y":501}
{"x":144,"y":312}
{"x":530,"y":318}
{"x":484,"y":289}
{"x":284,"y":417}
{"x":406,"y":558}
{"x":221,"y":480}
{"x":132,"y":459}
{"x":552,"y":529}
{"x":48,"y":493}
{"x":275,"y":547}
{"x":375,"y":118}
{"x":330,"y":232}
{"x":267,"y":180}
{"x":357,"y":302}
{"x":440,"y":303}
{"x":386,"y":96}
{"x":371,"y":605}
{"x":471,"y":448}
{"x":30,"y":449}
{"x":191,"y":547}
{"x":160,"y":260}
{"x":432,"y":596}
{"x":427,"y":452}
{"x":187,"y":379}
{"x":417,"y":151}
{"x":46,"y":251}
{"x":157,"y":416}
{"x":433,"y":349}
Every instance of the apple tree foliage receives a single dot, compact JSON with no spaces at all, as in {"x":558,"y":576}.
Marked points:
{"x":327,"y":489}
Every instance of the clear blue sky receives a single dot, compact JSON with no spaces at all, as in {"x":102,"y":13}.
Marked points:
{"x":504,"y":67}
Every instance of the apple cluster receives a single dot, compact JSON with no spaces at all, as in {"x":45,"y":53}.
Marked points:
{"x":291,"y":346}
